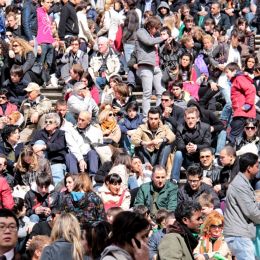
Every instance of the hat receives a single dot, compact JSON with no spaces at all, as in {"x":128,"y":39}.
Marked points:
{"x":32,"y":86}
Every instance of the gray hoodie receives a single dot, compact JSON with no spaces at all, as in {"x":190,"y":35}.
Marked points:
{"x":115,"y":253}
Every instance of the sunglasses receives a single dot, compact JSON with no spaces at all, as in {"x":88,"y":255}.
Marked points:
{"x":110,"y":114}
{"x":49,"y":122}
{"x":16,"y":45}
{"x":250,"y":127}
{"x":216,"y":226}
{"x":165,"y":99}
{"x":2,"y":97}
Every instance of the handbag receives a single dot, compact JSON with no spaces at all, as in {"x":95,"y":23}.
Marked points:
{"x":118,"y":41}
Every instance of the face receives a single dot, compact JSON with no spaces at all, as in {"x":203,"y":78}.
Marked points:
{"x":176,"y":91}
{"x":103,"y":47}
{"x":189,"y":24}
{"x":234,"y":42}
{"x":250,"y":63}
{"x":165,"y":34}
{"x":112,"y":84}
{"x":207,"y":44}
{"x":114,"y":188}
{"x":185,"y":61}
{"x":50,"y":125}
{"x":131,"y":113}
{"x":250,"y":130}
{"x":191,"y":120}
{"x":73,"y":74}
{"x":2,"y":164}
{"x":208,"y":27}
{"x":214,"y":9}
{"x":242,"y":27}
{"x":117,"y":6}
{"x":230,"y":74}
{"x":189,"y":44}
{"x":143,"y":236}
{"x":159,"y":178}
{"x":74,"y":46}
{"x":3,"y":99}
{"x":153,"y":120}
{"x":16,"y":48}
{"x":47,"y":5}
{"x":206,"y":158}
{"x":28,"y":159}
{"x":62,"y":110}
{"x":194,"y":182}
{"x":15,"y":78}
{"x":166,"y":101}
{"x":207,"y":210}
{"x":69,"y":184}
{"x":254,"y":170}
{"x":11,"y":21}
{"x":14,"y":137}
{"x":153,"y":31}
{"x":85,"y":81}
{"x":8,"y":233}
{"x":215,"y":231}
{"x":225,"y":159}
{"x":136,"y":165}
{"x":42,"y":190}
{"x":83,"y":121}
{"x":32,"y":95}
{"x":194,"y":222}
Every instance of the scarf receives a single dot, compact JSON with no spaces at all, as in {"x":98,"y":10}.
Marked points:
{"x":108,"y":125}
{"x":209,"y":245}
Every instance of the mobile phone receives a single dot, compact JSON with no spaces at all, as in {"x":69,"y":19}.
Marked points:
{"x":138,"y":243}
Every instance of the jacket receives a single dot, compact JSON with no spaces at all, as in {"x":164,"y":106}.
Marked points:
{"x":26,"y":62}
{"x":131,"y":25}
{"x":224,"y":21}
{"x":68,"y":24}
{"x":6,"y":198}
{"x":115,"y":253}
{"x":154,"y":6}
{"x":143,"y":133}
{"x":243,"y":92}
{"x":10,"y":108}
{"x":187,"y":194}
{"x":242,"y":211}
{"x":166,"y":6}
{"x":167,"y":198}
{"x":126,"y":123}
{"x":145,"y":47}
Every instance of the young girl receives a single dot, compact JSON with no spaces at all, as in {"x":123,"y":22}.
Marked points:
{"x":250,"y":63}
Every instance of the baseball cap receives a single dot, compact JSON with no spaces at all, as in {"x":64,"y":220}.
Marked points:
{"x":32,"y":86}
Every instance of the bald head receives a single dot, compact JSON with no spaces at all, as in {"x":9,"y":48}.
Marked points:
{"x":84,"y":119}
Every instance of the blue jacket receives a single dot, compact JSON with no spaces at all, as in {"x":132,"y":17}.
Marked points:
{"x":130,"y":124}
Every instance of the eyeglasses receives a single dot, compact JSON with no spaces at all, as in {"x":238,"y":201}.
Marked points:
{"x":193,"y":181}
{"x":48,"y":122}
{"x":165,"y":99}
{"x":110,"y":114}
{"x":3,"y":97}
{"x":204,"y":156}
{"x":250,"y":127}
{"x":11,"y":227}
{"x":15,"y":45}
{"x":216,"y":226}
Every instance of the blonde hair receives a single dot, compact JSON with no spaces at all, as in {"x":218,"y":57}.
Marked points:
{"x":214,"y":218}
{"x":82,"y":182}
{"x":26,"y":47}
{"x":103,"y":115}
{"x":169,"y":21}
{"x":66,"y":226}
{"x":207,"y":37}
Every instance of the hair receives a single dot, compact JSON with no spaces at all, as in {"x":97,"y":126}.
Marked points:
{"x":194,"y":170}
{"x":166,"y":29}
{"x":207,"y":149}
{"x":152,"y":22}
{"x":230,"y":150}
{"x":18,"y":205}
{"x":126,"y":225}
{"x":191,"y":110}
{"x":113,"y":178}
{"x":26,"y":47}
{"x":123,"y":91}
{"x":247,"y":160}
{"x":132,"y":105}
{"x":154,"y":110}
{"x":74,"y":39}
{"x":148,"y":14}
{"x":123,"y":158}
{"x":252,"y":121}
{"x":168,"y":94}
{"x":81,"y":6}
{"x":67,"y":227}
{"x":161,"y":215}
{"x":16,"y":70}
{"x":158,"y":168}
{"x":22,"y":166}
{"x":82,"y":182}
{"x":97,"y":237}
{"x":188,"y":68}
{"x":114,"y":211}
{"x":11,"y":14}
{"x":7,"y":131}
{"x":186,"y":210}
{"x":206,"y":200}
{"x":116,"y":78}
{"x":207,"y":37}
{"x":169,"y":22}
{"x":43,"y":179}
{"x":250,"y":56}
{"x":78,"y":69}
{"x":232,"y":67}
{"x":142,"y":210}
{"x":54,"y":116}
{"x":37,"y":243}
{"x":216,"y":3}
{"x":240,"y":21}
{"x":61,"y":102}
{"x":209,"y":21}
{"x":67,"y":175}
{"x":4,"y":92}
{"x":214,"y":218}
{"x":87,"y":76}
{"x":7,"y":213}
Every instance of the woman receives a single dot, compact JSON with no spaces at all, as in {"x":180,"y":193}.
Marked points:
{"x":21,"y":53}
{"x":250,"y":62}
{"x":28,"y":166}
{"x":85,"y":204}
{"x":212,"y":243}
{"x":6,"y":108}
{"x":129,"y":238}
{"x":113,"y":193}
{"x":170,"y":22}
{"x":69,"y":180}
{"x":4,"y":66}
{"x":147,"y":47}
{"x":66,"y":240}
{"x":110,"y":128}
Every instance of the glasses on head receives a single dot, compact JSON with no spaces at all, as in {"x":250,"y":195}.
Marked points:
{"x":11,"y":227}
{"x":216,"y":226}
{"x":110,"y":114}
{"x":165,"y":99}
{"x":48,"y":122}
{"x":250,"y":127}
{"x":15,"y":45}
{"x":204,"y":156}
{"x":193,"y":181}
{"x":3,"y":97}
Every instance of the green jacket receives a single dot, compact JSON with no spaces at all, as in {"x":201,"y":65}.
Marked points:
{"x":167,"y":198}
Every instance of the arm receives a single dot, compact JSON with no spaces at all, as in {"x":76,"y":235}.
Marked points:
{"x":169,"y":135}
{"x":140,"y":197}
{"x":6,"y":195}
{"x":44,"y":106}
{"x":137,"y":137}
{"x":144,"y":37}
{"x":30,"y":59}
{"x":206,"y":142}
{"x":172,"y":198}
{"x":131,"y":26}
{"x":181,"y":146}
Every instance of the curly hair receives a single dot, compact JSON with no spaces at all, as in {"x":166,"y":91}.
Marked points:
{"x":26,"y":47}
{"x":214,"y":218}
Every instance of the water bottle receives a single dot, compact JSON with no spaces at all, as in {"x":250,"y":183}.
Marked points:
{"x":218,"y":256}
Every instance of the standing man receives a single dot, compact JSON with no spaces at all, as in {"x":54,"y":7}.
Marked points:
{"x":242,"y":212}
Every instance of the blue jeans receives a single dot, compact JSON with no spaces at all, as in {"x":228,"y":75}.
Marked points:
{"x":58,"y":172}
{"x":241,"y":247}
{"x":47,"y":54}
{"x":132,"y":183}
{"x":128,"y":49}
{"x":222,"y":136}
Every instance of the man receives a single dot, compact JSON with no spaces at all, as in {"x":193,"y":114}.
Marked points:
{"x":12,"y":25}
{"x":104,"y":63}
{"x":194,"y":187}
{"x":3,"y":171}
{"x":2,"y":18}
{"x":68,"y":25}
{"x":190,"y":138}
{"x":157,"y":194}
{"x":81,"y":100}
{"x":242,"y":212}
{"x":8,"y":235}
{"x":171,"y":114}
{"x":220,"y":18}
{"x":180,"y":241}
{"x":62,"y":109}
{"x":34,"y":109}
{"x":153,"y":139}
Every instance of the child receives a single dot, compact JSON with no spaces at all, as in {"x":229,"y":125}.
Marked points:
{"x":39,"y":199}
{"x":243,"y":94}
{"x":112,"y":212}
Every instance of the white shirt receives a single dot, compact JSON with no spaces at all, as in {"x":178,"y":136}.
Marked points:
{"x":9,"y":254}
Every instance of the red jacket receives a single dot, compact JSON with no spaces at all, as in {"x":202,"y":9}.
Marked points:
{"x":10,"y":108}
{"x":6,"y":198}
{"x":243,"y":92}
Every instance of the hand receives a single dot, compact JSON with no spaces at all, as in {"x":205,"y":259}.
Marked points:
{"x":39,"y":210}
{"x":207,"y":181}
{"x":211,"y":129}
{"x":200,"y":257}
{"x":167,"y":111}
{"x":116,"y":110}
{"x":34,"y":117}
{"x":147,"y":144}
{"x":157,"y":141}
{"x":86,"y":93}
{"x":68,"y":49}
{"x":28,"y":243}
{"x":135,"y":66}
{"x":148,"y":166}
{"x":142,"y":252}
{"x":245,"y":10}
{"x":214,"y":86}
{"x":39,"y":50}
{"x":82,"y":165}
{"x":31,"y":43}
{"x":191,"y":148}
{"x":217,"y":188}
{"x":11,"y":54}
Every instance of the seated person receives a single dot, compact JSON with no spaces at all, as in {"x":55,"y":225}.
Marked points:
{"x":194,"y":187}
{"x":38,"y":199}
{"x":62,"y":109}
{"x":190,"y":138}
{"x":16,"y":85}
{"x":153,"y":139}
{"x":129,"y":123}
{"x":4,"y":172}
{"x":51,"y":142}
{"x":157,"y":194}
{"x":206,"y":202}
{"x":6,"y":107}
{"x":36,"y":246}
{"x":180,"y":96}
{"x":6,"y":197}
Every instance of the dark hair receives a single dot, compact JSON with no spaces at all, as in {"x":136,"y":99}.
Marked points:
{"x":207,"y":149}
{"x":132,"y":105}
{"x":141,"y":209}
{"x":74,"y":39}
{"x":161,"y":215}
{"x":87,"y":76}
{"x":4,"y":91}
{"x":61,"y":102}
{"x":17,"y":70}
{"x":6,"y":213}
{"x":153,"y":110}
{"x":123,"y":158}
{"x":251,"y":121}
{"x":116,"y":78}
{"x":152,"y":22}
{"x":194,"y":170}
{"x":232,"y":67}
{"x":246,"y":160}
{"x":82,"y":5}
{"x":7,"y":131}
{"x":158,"y":168}
{"x":168,"y":94}
{"x":125,"y":227}
{"x":186,"y":210}
{"x":230,"y":150}
{"x":167,"y":29}
{"x":216,"y":3}
{"x":188,"y":69}
{"x":113,"y":178}
{"x":43,"y":179}
{"x":131,"y":4}
{"x":18,"y":205}
{"x":67,"y":175}
{"x":251,"y":56}
{"x":209,"y":21}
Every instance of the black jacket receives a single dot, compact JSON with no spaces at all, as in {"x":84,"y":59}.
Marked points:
{"x":68,"y":21}
{"x":224,"y":20}
{"x":154,"y":5}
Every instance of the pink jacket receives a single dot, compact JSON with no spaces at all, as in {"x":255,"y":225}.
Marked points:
{"x":10,"y":108}
{"x":44,"y":33}
{"x":6,"y":198}
{"x":243,"y":92}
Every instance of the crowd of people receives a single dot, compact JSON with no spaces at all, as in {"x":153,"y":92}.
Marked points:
{"x":98,"y":174}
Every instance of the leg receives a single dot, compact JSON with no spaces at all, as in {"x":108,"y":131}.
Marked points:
{"x":92,"y":159}
{"x":177,"y":163}
{"x":143,"y":153}
{"x":58,"y":171}
{"x":237,"y":127}
{"x":71,"y":163}
{"x":157,"y":82}
{"x":221,"y":141}
{"x":164,"y":154}
{"x":128,"y":49}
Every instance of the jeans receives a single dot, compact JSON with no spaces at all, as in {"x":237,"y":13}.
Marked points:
{"x":222,"y":136}
{"x":150,"y":76}
{"x":47,"y":54}
{"x":34,"y":218}
{"x":132,"y":183}
{"x":237,"y":127}
{"x":58,"y":172}
{"x":241,"y":247}
{"x":128,"y":49}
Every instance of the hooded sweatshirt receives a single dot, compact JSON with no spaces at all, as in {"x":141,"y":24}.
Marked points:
{"x":114,"y":252}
